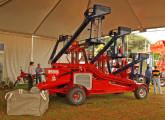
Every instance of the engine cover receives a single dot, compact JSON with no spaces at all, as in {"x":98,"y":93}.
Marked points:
{"x":84,"y":79}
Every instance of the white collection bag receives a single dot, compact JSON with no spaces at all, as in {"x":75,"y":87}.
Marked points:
{"x":22,"y":102}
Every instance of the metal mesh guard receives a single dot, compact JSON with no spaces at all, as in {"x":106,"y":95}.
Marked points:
{"x":84,"y":79}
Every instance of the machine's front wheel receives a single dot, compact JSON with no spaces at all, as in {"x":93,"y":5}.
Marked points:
{"x":141,"y":92}
{"x":76,"y":96}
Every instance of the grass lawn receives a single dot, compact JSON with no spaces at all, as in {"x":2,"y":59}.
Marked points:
{"x":103,"y":107}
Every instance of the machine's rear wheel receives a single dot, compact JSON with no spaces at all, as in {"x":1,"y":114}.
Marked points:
{"x":162,"y":82}
{"x":141,"y":92}
{"x":76,"y":95}
{"x":142,"y":80}
{"x":152,"y":81}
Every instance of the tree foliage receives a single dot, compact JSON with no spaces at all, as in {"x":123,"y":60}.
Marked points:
{"x":136,"y":43}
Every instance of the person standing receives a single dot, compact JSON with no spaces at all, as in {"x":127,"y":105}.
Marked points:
{"x":156,"y":79}
{"x":148,"y":75}
{"x":30,"y":75}
{"x":38,"y":74}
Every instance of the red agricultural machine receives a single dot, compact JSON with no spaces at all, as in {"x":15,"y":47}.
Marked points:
{"x":76,"y":79}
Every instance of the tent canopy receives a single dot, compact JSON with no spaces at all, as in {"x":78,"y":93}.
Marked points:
{"x":51,"y":18}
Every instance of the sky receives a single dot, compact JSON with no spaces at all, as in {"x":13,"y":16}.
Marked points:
{"x":153,"y":34}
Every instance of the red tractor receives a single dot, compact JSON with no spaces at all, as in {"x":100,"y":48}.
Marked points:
{"x":76,"y":80}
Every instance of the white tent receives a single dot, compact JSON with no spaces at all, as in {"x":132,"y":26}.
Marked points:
{"x":51,"y":18}
{"x":20,"y":19}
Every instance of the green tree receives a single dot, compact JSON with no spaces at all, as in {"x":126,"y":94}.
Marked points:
{"x":157,"y":57}
{"x":136,"y":43}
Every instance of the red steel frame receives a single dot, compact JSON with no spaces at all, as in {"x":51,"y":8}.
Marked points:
{"x":63,"y":74}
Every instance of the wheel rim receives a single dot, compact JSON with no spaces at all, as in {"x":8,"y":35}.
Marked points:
{"x":142,"y":93}
{"x":77,"y":97}
{"x":141,"y":80}
{"x":162,"y":83}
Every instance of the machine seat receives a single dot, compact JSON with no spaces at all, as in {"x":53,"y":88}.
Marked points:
{"x":94,"y":41}
{"x":114,"y":56}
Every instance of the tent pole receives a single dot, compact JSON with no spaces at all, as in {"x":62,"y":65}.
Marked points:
{"x":32,"y":49}
{"x":127,"y":47}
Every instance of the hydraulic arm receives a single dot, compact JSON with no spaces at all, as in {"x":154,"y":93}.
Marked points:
{"x":122,"y":31}
{"x":61,"y":39}
{"x":98,"y":11}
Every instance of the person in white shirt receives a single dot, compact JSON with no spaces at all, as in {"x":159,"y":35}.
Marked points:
{"x":30,"y":75}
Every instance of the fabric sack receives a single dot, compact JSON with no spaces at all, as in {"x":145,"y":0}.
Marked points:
{"x":22,"y":102}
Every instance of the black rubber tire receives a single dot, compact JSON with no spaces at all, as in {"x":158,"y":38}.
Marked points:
{"x":142,"y":80}
{"x":16,"y":82}
{"x":162,"y":82}
{"x":152,"y":81}
{"x":141,"y":92}
{"x":79,"y":92}
{"x":61,"y":94}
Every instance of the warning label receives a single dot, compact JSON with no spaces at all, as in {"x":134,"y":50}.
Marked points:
{"x":53,"y":78}
{"x":56,"y":72}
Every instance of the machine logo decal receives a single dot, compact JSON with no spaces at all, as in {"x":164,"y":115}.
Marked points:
{"x":56,"y":72}
{"x":53,"y":78}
